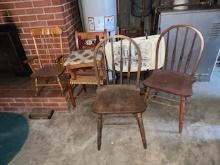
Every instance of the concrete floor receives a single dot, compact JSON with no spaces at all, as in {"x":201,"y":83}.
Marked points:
{"x":70,"y":138}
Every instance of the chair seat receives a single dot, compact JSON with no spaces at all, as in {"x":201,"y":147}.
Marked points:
{"x":49,"y":71}
{"x":171,"y":82}
{"x":86,"y":80}
{"x":85,"y":76}
{"x":118,"y":99}
{"x":86,"y":72}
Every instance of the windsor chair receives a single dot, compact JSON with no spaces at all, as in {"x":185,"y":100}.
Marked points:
{"x":183,"y":52}
{"x":120,"y":94}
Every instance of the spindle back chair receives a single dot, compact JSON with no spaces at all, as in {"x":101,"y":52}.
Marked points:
{"x":49,"y":50}
{"x":183,"y":53}
{"x":123,"y":96}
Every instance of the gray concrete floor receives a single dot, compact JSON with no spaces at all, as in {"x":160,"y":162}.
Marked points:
{"x":70,"y":138}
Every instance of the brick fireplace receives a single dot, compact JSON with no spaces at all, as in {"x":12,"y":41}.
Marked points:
{"x":28,"y":14}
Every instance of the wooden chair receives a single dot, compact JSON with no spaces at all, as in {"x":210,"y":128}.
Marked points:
{"x":49,"y":50}
{"x":183,"y":52}
{"x":123,"y":97}
{"x":85,"y":75}
{"x":88,"y":40}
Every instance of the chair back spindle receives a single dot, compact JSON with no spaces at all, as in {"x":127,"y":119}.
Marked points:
{"x":121,"y":62}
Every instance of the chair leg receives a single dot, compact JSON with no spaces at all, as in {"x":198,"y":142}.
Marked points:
{"x":72,"y":98}
{"x":155,"y":94}
{"x":73,"y":94}
{"x":146,"y":95}
{"x":61,"y":87}
{"x":84,"y":87}
{"x":141,"y":128}
{"x":36,"y":86}
{"x":99,"y":128}
{"x":181,"y":113}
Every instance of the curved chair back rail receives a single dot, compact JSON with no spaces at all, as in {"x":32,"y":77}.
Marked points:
{"x":120,"y":59}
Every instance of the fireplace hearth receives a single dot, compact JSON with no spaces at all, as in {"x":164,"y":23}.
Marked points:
{"x":12,"y":54}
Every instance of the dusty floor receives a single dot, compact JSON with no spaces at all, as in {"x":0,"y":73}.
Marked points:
{"x":70,"y":138}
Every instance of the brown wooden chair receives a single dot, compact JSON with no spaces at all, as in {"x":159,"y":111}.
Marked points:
{"x":49,"y":49}
{"x":121,"y":95}
{"x":183,"y":51}
{"x":84,"y":75}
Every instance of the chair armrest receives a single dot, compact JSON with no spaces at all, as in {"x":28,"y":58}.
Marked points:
{"x":30,"y":59}
{"x":60,"y":59}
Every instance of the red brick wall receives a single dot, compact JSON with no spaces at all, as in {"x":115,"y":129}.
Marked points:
{"x":20,"y":104}
{"x":28,"y":14}
{"x":72,"y":21}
